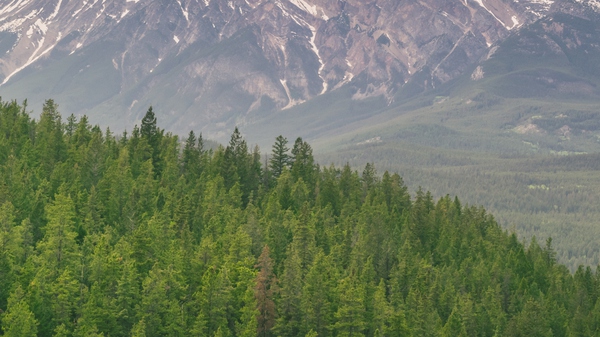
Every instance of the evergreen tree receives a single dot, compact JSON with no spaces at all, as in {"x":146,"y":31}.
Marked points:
{"x":266,"y":287}
{"x":64,"y":297}
{"x":127,"y":295}
{"x":18,"y":320}
{"x":99,"y":313}
{"x":248,"y":325}
{"x":382,"y":311}
{"x":369,"y":177}
{"x":213,"y":299}
{"x":317,"y":293}
{"x":231,"y":159}
{"x":191,"y":157}
{"x":143,"y":236}
{"x":9,"y":248}
{"x":139,"y":329}
{"x":152,"y":135}
{"x":280,"y":158}
{"x":303,"y":163}
{"x":351,"y":311}
{"x":58,"y":250}
{"x":289,"y":320}
{"x":531,"y":321}
{"x":454,"y":326}
{"x":49,"y":142}
{"x":160,"y":303}
{"x":149,"y":128}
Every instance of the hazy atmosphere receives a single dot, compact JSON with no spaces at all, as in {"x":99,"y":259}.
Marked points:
{"x":299,"y":168}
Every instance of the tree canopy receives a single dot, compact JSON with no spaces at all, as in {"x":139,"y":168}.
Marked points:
{"x":148,"y":235}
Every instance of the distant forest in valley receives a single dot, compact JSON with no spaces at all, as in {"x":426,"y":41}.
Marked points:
{"x":147,"y":234}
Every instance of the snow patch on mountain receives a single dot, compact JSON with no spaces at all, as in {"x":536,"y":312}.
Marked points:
{"x":14,"y":5}
{"x":538,"y":7}
{"x":592,"y":3}
{"x":351,"y":45}
{"x":545,"y":3}
{"x":291,"y":102}
{"x":56,"y":9}
{"x":515,"y":21}
{"x":316,"y":51}
{"x":310,"y":9}
{"x":43,"y":28}
{"x":14,"y":25}
{"x":34,"y":57}
{"x":480,"y":3}
{"x":184,"y":11}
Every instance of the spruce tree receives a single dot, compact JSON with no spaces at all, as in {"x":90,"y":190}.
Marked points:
{"x":232,"y":159}
{"x":454,"y":326}
{"x":18,"y":320}
{"x":191,"y":157}
{"x":149,"y":128}
{"x":9,"y":246}
{"x":316,"y":303}
{"x":280,"y":159}
{"x":58,"y":250}
{"x":213,"y":299}
{"x":289,"y":320}
{"x":303,"y":163}
{"x":150,"y":132}
{"x":351,"y":311}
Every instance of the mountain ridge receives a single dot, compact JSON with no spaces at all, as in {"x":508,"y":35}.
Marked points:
{"x":214,"y":64}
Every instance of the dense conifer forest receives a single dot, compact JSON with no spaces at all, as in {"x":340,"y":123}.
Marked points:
{"x":144,"y":234}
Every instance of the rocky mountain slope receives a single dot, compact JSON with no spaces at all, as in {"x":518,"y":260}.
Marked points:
{"x":210,"y":64}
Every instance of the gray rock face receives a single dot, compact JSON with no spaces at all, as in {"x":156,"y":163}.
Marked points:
{"x":210,"y":64}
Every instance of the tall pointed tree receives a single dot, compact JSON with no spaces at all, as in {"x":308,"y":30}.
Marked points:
{"x":454,"y":326}
{"x":152,"y":134}
{"x":213,"y":298}
{"x":303,"y":163}
{"x":266,"y":286}
{"x":316,"y":304}
{"x":58,"y":250}
{"x":9,"y":246}
{"x":49,"y":142}
{"x":191,"y":157}
{"x":350,"y":314}
{"x":18,"y":320}
{"x":280,"y":159}
{"x":289,"y":322}
{"x":230,"y":169}
{"x":149,"y":128}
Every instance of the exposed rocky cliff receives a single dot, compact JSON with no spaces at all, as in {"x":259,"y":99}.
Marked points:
{"x":210,"y":64}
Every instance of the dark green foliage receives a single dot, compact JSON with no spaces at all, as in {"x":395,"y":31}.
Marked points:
{"x":303,"y":162}
{"x":240,"y":167}
{"x":144,"y":236}
{"x":18,"y":320}
{"x":151,"y":135}
{"x":280,"y":158}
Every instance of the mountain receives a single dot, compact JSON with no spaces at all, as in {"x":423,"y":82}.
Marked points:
{"x":517,"y":132}
{"x":212,"y":64}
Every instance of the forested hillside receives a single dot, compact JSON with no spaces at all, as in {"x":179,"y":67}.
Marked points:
{"x":143,"y":234}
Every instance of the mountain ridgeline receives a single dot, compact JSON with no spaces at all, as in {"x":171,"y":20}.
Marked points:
{"x":215,"y":64}
{"x":146,"y":235}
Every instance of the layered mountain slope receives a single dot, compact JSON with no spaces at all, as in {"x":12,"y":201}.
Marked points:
{"x":519,"y":133}
{"x":214,"y":63}
{"x":541,"y":79}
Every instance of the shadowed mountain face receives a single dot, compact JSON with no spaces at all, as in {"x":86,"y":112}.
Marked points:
{"x":211,"y":64}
